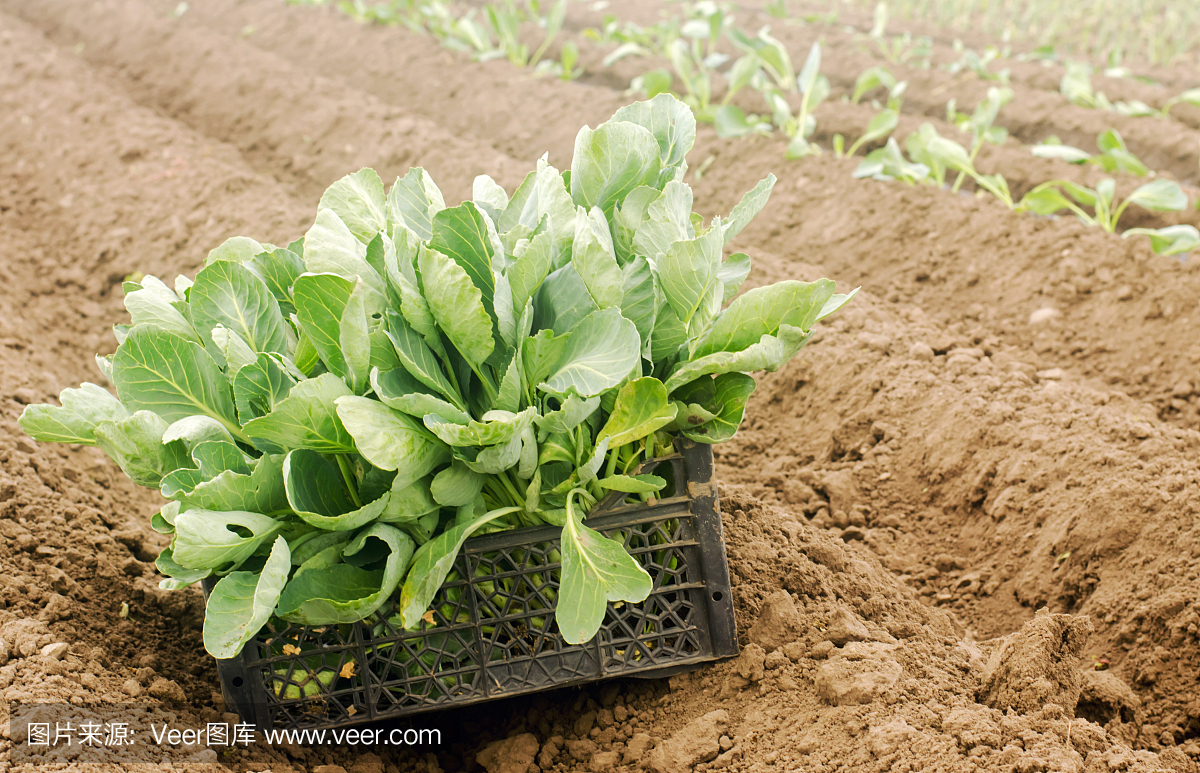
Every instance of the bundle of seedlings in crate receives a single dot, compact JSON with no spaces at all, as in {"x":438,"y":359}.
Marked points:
{"x":424,"y":454}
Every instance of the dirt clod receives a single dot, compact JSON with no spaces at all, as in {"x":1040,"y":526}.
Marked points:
{"x":603,"y":762}
{"x":1043,"y":315}
{"x":778,"y":622}
{"x":54,"y":651}
{"x":845,"y":681}
{"x":698,"y":741}
{"x":845,"y":627}
{"x":1110,"y":703}
{"x":511,"y":755}
{"x":751,"y":664}
{"x":924,"y":476}
{"x":166,"y":690}
{"x":637,"y":747}
{"x":1037,"y":665}
{"x":886,"y":738}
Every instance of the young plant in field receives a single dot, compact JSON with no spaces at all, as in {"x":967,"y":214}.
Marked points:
{"x":1135,"y":107}
{"x":463,"y":33}
{"x":900,"y":49}
{"x":906,"y":49}
{"x":1105,"y":211}
{"x":980,"y":124}
{"x":970,"y":61}
{"x":732,"y":121}
{"x":506,"y":24}
{"x":1045,"y":54}
{"x":506,"y":20}
{"x":875,"y":77}
{"x":1172,"y":240}
{"x":565,"y":68}
{"x":633,"y":40}
{"x":1076,"y":86}
{"x":496,"y":35}
{"x":939,"y":155}
{"x":888,"y":163}
{"x":696,"y":76}
{"x":882,"y":124}
{"x":1114,"y":156}
{"x":1050,"y":197}
{"x":691,"y":47}
{"x":568,"y":59}
{"x":651,"y":83}
{"x":393,"y":13}
{"x":332,"y":420}
{"x":1189,"y":97}
{"x":942,"y":155}
{"x":814,"y":89}
{"x":768,"y":55}
{"x":820,"y":17}
{"x":931,"y":150}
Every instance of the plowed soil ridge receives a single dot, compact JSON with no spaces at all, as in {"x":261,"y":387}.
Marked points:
{"x":1003,"y":421}
{"x":1088,"y":286}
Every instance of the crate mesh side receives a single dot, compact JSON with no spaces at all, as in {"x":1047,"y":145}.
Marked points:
{"x":664,"y":628}
{"x":520,"y":646}
{"x":437,"y":666}
{"x":311,"y":675}
{"x":494,"y":634}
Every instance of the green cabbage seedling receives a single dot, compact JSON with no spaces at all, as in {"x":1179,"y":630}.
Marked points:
{"x":1159,"y":195}
{"x":333,"y":419}
{"x":1172,"y":240}
{"x":888,"y":163}
{"x":1114,"y":156}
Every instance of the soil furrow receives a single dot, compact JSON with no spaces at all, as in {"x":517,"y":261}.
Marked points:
{"x":141,"y":194}
{"x":967,"y":471}
{"x":1035,"y":113}
{"x":925,"y":427}
{"x":305,"y":130}
{"x":138,"y":197}
{"x":1073,"y":296}
{"x":1033,"y":281}
{"x":410,"y":72}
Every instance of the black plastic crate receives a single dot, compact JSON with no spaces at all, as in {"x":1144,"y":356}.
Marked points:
{"x":375,"y":669}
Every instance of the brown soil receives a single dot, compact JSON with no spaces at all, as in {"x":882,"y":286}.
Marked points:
{"x":938,"y":466}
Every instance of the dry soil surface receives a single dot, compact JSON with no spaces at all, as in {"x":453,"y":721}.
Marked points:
{"x":963,"y":526}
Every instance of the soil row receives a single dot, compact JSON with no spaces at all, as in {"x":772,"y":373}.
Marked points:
{"x":94,"y":188}
{"x":1118,"y":313}
{"x":1037,"y":110}
{"x":929,"y":422}
{"x":991,"y":488}
{"x":1164,"y":81}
